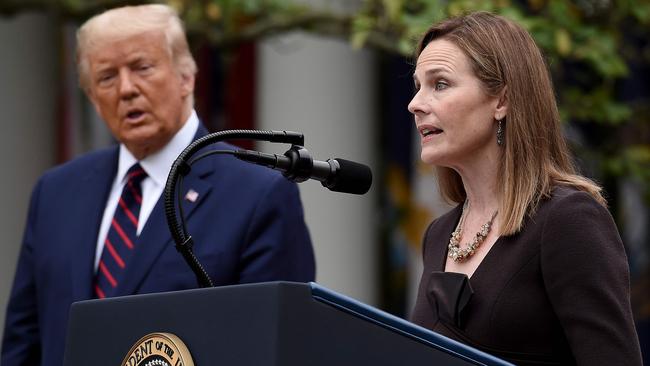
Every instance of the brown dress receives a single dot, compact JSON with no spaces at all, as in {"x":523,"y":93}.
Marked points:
{"x":556,"y":293}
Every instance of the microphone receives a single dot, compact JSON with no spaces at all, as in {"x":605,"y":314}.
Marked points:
{"x":338,"y":175}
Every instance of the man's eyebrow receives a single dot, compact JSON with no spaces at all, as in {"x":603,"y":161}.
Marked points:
{"x":136,"y":59}
{"x":103,"y":68}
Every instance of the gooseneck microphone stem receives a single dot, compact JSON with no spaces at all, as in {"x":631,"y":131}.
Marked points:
{"x":179,"y":191}
{"x":181,"y":167}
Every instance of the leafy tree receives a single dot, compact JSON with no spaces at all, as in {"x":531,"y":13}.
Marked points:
{"x":596,"y":49}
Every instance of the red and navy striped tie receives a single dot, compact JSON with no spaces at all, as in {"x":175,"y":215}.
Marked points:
{"x":122,"y":235}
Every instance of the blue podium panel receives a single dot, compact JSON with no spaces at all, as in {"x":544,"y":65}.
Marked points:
{"x":403,"y":327}
{"x":276,"y":323}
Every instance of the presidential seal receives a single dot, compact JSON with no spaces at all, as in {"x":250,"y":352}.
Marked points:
{"x":158,"y":349}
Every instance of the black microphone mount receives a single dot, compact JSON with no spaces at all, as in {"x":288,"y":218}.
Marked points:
{"x":296,"y":165}
{"x":181,"y":167}
{"x":338,"y":175}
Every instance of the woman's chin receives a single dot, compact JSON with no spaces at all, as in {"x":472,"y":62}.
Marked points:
{"x":430,"y":157}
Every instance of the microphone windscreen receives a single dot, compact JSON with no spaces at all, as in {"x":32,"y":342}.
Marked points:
{"x":352,"y":178}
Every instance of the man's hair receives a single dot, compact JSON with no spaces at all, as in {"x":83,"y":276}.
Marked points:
{"x":535,"y":155}
{"x":129,"y":21}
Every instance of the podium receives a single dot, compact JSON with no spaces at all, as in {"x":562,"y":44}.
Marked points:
{"x":275,"y":323}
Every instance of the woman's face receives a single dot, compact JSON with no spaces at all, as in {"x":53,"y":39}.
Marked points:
{"x":453,"y":114}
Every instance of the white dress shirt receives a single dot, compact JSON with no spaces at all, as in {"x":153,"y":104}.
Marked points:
{"x":157,"y":167}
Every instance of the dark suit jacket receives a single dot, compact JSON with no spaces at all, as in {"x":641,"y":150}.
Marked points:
{"x":556,"y":293}
{"x":247,"y":225}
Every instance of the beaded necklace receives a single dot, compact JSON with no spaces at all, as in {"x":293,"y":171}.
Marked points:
{"x":461,"y":255}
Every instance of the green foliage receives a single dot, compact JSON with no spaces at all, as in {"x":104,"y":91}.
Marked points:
{"x":632,"y":162}
{"x":587,"y":44}
{"x":584,"y":42}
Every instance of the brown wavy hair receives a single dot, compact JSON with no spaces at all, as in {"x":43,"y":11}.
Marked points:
{"x":535,"y":156}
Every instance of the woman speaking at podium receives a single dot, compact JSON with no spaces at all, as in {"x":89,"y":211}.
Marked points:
{"x":529,"y":265}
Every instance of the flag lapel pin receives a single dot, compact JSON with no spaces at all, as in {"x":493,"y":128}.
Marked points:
{"x":192,"y":195}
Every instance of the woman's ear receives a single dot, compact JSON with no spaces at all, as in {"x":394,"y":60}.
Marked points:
{"x":501,"y":109}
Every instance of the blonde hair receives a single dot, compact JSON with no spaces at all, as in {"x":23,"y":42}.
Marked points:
{"x":535,"y":156}
{"x":129,"y":21}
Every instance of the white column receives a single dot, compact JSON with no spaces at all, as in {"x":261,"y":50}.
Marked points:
{"x":326,"y":90}
{"x":28,"y":69}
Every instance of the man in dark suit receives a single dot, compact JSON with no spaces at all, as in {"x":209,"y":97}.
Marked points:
{"x":96,"y":225}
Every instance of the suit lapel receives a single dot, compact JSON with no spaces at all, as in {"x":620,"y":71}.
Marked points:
{"x":93,"y":191}
{"x":155,"y":236}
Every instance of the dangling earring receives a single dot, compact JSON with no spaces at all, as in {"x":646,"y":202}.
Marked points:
{"x":500,"y":132}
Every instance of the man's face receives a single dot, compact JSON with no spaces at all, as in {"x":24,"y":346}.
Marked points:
{"x":136,"y":89}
